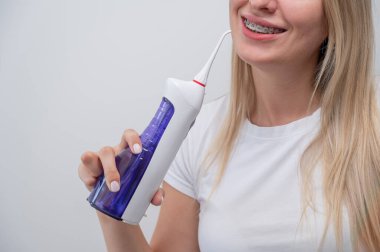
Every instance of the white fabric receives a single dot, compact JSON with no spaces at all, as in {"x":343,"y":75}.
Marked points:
{"x":257,"y":205}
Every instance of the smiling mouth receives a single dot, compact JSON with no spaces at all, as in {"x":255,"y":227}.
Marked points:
{"x":261,"y":29}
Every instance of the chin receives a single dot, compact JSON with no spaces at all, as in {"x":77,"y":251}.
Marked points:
{"x":254,"y":55}
{"x":259,"y":59}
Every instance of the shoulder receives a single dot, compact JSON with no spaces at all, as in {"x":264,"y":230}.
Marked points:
{"x":212,"y":113}
{"x":217,"y":106}
{"x":184,"y":170}
{"x":205,"y":128}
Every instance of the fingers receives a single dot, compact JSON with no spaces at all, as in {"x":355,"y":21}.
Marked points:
{"x":158,"y":198}
{"x":88,"y":180}
{"x":91,"y":161}
{"x":89,"y":169}
{"x":130,"y":139}
{"x":107,"y":159}
{"x":95,"y":164}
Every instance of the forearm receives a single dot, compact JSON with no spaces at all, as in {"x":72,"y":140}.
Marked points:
{"x":121,"y":237}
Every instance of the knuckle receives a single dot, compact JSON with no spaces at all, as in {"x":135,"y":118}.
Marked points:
{"x":86,"y":179}
{"x":106,"y":150}
{"x":129,"y":131}
{"x":86,"y":156}
{"x":90,"y":182}
{"x":112,"y":174}
{"x":96,"y":170}
{"x":130,"y":134}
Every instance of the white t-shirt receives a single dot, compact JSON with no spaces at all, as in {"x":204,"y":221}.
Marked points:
{"x":257,"y":206}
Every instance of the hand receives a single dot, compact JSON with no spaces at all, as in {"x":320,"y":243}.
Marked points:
{"x":94,"y":164}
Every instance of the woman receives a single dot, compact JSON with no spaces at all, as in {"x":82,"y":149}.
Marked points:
{"x":295,"y":165}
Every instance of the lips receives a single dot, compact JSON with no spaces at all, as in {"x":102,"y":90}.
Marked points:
{"x":261,"y":22}
{"x":258,"y":30}
{"x":261,"y":29}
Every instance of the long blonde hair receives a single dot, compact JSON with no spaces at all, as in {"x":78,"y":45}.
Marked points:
{"x":348,"y":143}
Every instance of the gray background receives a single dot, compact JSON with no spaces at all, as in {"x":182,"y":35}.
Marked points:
{"x":73,"y":76}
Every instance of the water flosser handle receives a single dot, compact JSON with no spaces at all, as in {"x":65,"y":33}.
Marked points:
{"x":136,"y":192}
{"x":186,"y":97}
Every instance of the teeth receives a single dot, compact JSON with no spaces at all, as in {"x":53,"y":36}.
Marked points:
{"x":261,"y":29}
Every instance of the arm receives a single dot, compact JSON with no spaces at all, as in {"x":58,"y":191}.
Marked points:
{"x":176,"y":230}
{"x":177,"y":226}
{"x":122,"y":237}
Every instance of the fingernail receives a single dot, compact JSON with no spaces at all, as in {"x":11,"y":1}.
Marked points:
{"x":162,"y":199}
{"x":115,"y":186}
{"x":136,"y":148}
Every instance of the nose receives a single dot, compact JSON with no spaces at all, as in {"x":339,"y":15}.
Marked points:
{"x":267,"y":6}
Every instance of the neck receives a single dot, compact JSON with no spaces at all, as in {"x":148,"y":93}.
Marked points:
{"x":283,"y":93}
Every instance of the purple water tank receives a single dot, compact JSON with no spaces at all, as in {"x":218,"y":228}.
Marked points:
{"x":131,"y":166}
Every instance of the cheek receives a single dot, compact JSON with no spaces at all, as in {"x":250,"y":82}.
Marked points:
{"x":237,"y":2}
{"x":307,"y":21}
{"x":233,"y":11}
{"x":235,"y":5}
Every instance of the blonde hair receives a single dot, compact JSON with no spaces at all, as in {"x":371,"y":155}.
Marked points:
{"x":348,"y":143}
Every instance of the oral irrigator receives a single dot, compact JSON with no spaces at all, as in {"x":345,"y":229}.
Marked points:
{"x":141,"y":174}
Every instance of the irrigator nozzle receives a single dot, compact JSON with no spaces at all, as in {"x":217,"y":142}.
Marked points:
{"x":201,"y":77}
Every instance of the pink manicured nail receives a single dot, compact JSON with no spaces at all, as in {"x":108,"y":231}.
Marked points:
{"x":115,"y":186}
{"x":137,"y":148}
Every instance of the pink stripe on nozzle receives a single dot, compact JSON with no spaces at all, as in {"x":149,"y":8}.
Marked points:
{"x":199,"y":83}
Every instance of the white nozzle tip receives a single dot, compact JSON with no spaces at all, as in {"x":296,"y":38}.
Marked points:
{"x":201,"y":77}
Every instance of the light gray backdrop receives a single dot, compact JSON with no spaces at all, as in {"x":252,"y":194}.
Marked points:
{"x":73,"y":75}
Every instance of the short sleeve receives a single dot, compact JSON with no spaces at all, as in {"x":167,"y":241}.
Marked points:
{"x":180,"y":175}
{"x":184,"y":171}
